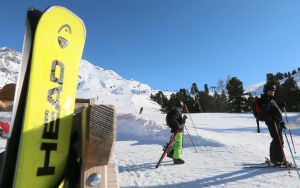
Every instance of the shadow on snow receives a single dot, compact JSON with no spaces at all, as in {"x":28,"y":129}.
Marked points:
{"x":221,"y":179}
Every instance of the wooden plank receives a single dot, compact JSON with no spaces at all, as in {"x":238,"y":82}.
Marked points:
{"x":99,"y":134}
{"x":112,"y":175}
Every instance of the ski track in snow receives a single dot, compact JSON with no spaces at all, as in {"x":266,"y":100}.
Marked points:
{"x":226,"y":142}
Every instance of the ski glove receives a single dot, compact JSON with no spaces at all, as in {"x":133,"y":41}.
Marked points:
{"x":182,"y":122}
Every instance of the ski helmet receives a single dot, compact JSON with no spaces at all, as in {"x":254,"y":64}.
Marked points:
{"x":179,"y":104}
{"x":269,"y":87}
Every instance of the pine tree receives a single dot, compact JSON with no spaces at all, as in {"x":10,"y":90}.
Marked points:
{"x":194,"y":89}
{"x":279,"y":76}
{"x":235,"y":94}
{"x":206,"y":88}
{"x":161,"y":99}
{"x":289,"y":94}
{"x":224,"y":105}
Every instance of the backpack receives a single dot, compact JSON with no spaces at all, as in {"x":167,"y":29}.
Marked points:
{"x":257,"y":109}
{"x":169,"y":118}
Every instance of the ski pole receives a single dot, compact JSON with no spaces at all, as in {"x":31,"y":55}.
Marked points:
{"x":167,"y":148}
{"x":287,"y":120}
{"x":292,"y":141}
{"x":257,"y":123}
{"x":190,"y":137}
{"x":291,"y":153}
{"x":281,"y":149}
{"x":192,"y":121}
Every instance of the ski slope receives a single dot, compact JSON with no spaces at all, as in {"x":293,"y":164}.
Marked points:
{"x":225,"y":144}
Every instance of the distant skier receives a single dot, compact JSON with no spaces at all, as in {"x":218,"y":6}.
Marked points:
{"x":141,"y":110}
{"x":176,"y":122}
{"x":275,"y":124}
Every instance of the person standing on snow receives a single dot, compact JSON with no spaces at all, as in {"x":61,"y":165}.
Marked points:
{"x":275,"y":124}
{"x":176,"y":122}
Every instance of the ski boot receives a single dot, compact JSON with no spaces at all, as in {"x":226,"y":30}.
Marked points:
{"x":178,"y":161}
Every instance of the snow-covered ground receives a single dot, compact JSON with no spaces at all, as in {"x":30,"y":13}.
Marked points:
{"x":225,"y":144}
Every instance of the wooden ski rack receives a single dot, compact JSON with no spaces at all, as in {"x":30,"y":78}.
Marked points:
{"x":98,"y":134}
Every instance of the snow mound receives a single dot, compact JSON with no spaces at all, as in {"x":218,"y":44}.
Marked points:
{"x":146,"y":131}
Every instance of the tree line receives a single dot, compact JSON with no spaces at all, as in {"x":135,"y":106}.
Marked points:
{"x":230,"y":96}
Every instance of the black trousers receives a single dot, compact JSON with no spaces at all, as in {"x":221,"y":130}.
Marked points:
{"x":276,"y":153}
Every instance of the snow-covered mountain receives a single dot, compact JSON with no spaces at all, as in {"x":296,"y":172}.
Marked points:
{"x":9,"y":66}
{"x":92,"y":80}
{"x":257,"y":89}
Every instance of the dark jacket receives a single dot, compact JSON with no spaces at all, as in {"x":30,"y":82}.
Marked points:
{"x":174,"y":119}
{"x":271,"y":110}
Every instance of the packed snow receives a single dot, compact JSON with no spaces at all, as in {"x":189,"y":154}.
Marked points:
{"x":225,"y":143}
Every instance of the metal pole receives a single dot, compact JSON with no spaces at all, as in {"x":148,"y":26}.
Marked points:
{"x":287,"y":120}
{"x":192,"y":121}
{"x":292,"y":154}
{"x":190,"y":137}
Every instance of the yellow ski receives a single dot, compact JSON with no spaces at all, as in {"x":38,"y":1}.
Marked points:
{"x":58,"y":45}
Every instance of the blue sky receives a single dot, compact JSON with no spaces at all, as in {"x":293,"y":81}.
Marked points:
{"x":169,"y":44}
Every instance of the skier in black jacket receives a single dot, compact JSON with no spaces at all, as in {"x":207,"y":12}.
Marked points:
{"x":176,"y":122}
{"x":275,"y":124}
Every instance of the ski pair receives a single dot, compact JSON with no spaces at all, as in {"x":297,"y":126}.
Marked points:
{"x":38,"y":145}
{"x":167,"y":148}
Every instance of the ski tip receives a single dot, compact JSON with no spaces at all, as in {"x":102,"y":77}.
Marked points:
{"x":71,"y":12}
